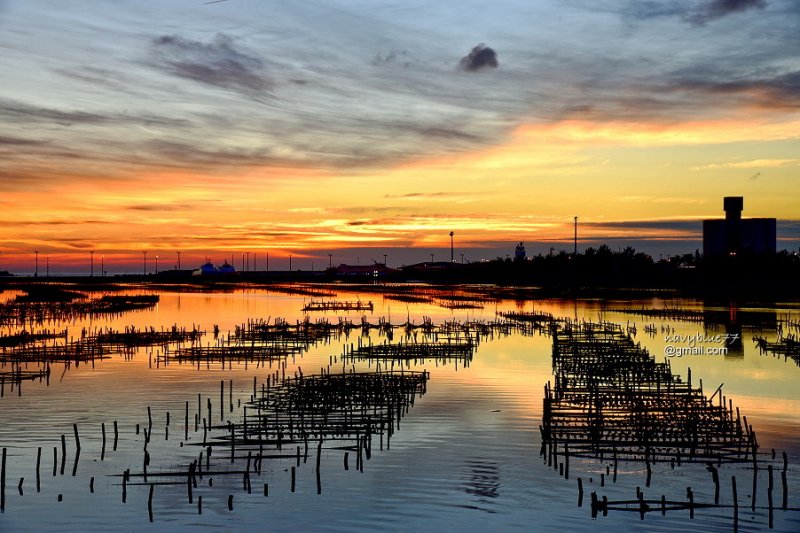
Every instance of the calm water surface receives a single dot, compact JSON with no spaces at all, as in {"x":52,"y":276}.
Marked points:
{"x":466,"y":456}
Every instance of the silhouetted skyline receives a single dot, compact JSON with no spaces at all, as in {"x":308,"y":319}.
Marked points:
{"x":218,"y":128}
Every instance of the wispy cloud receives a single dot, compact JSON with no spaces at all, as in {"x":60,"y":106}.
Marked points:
{"x":441,"y":196}
{"x":753,"y":163}
{"x":714,"y":9}
{"x":217,"y":62}
{"x":695,"y":12}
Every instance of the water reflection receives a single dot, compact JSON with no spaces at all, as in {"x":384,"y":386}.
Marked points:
{"x":444,"y":467}
{"x":483,"y":482}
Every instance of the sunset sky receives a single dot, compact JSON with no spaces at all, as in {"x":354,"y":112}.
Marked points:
{"x":362,"y":128}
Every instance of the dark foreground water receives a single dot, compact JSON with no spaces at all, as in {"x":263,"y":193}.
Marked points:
{"x":466,"y":455}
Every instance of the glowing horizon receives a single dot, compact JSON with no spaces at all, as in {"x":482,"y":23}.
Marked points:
{"x":214,"y":130}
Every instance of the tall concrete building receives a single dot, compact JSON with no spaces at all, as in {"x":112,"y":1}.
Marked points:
{"x":734,"y":235}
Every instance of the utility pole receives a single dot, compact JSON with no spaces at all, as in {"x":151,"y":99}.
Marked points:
{"x":144,"y":262}
{"x":290,"y":262}
{"x":179,"y":260}
{"x":47,"y":272}
{"x":384,"y":260}
{"x":451,"y":246}
{"x":575,"y":250}
{"x":330,"y":260}
{"x":103,"y":265}
{"x":36,"y":271}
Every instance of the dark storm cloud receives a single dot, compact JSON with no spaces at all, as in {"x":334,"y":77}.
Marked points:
{"x":216,"y":63}
{"x":480,"y":57}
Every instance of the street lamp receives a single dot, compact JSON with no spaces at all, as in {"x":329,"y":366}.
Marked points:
{"x":384,"y":260}
{"x":179,"y":260}
{"x":156,"y":265}
{"x":432,"y":258}
{"x":330,"y":260}
{"x":91,"y":263}
{"x":451,"y":246}
{"x":290,"y":262}
{"x":575,"y":249}
{"x":144,"y":262}
{"x":103,"y":265}
{"x":462,"y":258}
{"x":36,"y":271}
{"x":47,"y":262}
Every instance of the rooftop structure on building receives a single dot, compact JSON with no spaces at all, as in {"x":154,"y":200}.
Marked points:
{"x":734,"y":235}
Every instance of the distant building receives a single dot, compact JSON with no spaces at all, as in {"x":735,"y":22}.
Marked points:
{"x":519,"y":253}
{"x":208,"y":268}
{"x":734,"y":235}
{"x":377,"y":270}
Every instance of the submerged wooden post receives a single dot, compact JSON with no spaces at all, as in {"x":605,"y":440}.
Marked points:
{"x":38,"y":462}
{"x":63,"y":453}
{"x":150,"y":502}
{"x":769,"y":495}
{"x":785,"y":503}
{"x":319,"y":454}
{"x":3,"y":482}
{"x":735,"y":504}
{"x":77,"y":438}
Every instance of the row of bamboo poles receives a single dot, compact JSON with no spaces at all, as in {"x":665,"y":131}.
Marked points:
{"x":30,"y":313}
